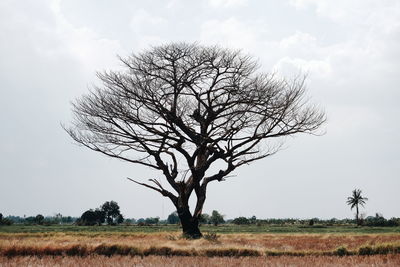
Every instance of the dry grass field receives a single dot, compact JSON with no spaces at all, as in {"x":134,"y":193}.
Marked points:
{"x":170,"y":249}
{"x":259,"y":242}
{"x":376,"y":260}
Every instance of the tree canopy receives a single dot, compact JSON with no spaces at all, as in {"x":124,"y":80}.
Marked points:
{"x":173,"y":218}
{"x":216,"y":218}
{"x":108,"y":212}
{"x":111,"y":212}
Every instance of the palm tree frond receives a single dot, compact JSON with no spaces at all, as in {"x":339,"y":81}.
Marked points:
{"x":356,"y":199}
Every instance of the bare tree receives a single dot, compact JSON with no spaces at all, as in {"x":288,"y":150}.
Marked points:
{"x":195,"y":113}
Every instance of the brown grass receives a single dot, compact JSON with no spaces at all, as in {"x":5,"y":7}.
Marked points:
{"x":167,"y":244}
{"x":284,"y":242}
{"x":377,"y":260}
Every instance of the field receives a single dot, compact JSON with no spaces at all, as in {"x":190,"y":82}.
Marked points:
{"x":221,"y":229}
{"x":376,"y":260}
{"x":222,"y":245}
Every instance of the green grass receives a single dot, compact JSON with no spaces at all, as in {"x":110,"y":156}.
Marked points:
{"x":85,"y":229}
{"x":317,"y":229}
{"x":221,"y":229}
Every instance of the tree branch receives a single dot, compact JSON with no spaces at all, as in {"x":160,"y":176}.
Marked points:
{"x":160,"y":190}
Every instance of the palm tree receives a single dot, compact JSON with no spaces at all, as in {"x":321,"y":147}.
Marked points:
{"x":355,"y":200}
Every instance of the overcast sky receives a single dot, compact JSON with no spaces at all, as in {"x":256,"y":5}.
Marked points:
{"x":350,"y":49}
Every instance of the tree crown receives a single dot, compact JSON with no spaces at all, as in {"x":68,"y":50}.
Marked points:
{"x":181,"y":108}
{"x":356,"y":199}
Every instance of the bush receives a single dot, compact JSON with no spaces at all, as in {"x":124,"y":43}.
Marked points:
{"x":231,"y":252}
{"x":77,"y":250}
{"x":253,"y":219}
{"x":241,"y":221}
{"x":204,"y":218}
{"x":92,"y":217}
{"x":39,"y":219}
{"x":120,"y":219}
{"x":152,"y":220}
{"x":379,"y":220}
{"x":393,"y":222}
{"x":6,"y":221}
{"x":213,"y":237}
{"x":365,"y":250}
{"x":342,"y":251}
{"x":173,"y":218}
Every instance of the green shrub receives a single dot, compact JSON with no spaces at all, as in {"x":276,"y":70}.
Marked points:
{"x":6,"y":221}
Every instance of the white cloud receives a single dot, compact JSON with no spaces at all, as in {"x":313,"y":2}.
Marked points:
{"x":354,"y":120}
{"x":232,"y":33}
{"x":334,"y":9}
{"x":299,"y":38}
{"x":53,"y":37}
{"x":296,"y":66}
{"x":361,"y":59}
{"x":147,"y":28}
{"x":301,"y":45}
{"x":227,"y":3}
{"x":142,"y":19}
{"x":375,"y":13}
{"x":173,"y":3}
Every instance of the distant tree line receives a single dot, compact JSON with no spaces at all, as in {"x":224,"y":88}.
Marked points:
{"x":109,"y":213}
{"x":215,"y":218}
{"x":38,"y":219}
{"x":377,"y":220}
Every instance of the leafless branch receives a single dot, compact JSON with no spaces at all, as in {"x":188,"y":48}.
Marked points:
{"x":180,"y":108}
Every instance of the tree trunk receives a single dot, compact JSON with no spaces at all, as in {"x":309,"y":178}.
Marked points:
{"x":357,"y":220}
{"x":190,"y":224}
